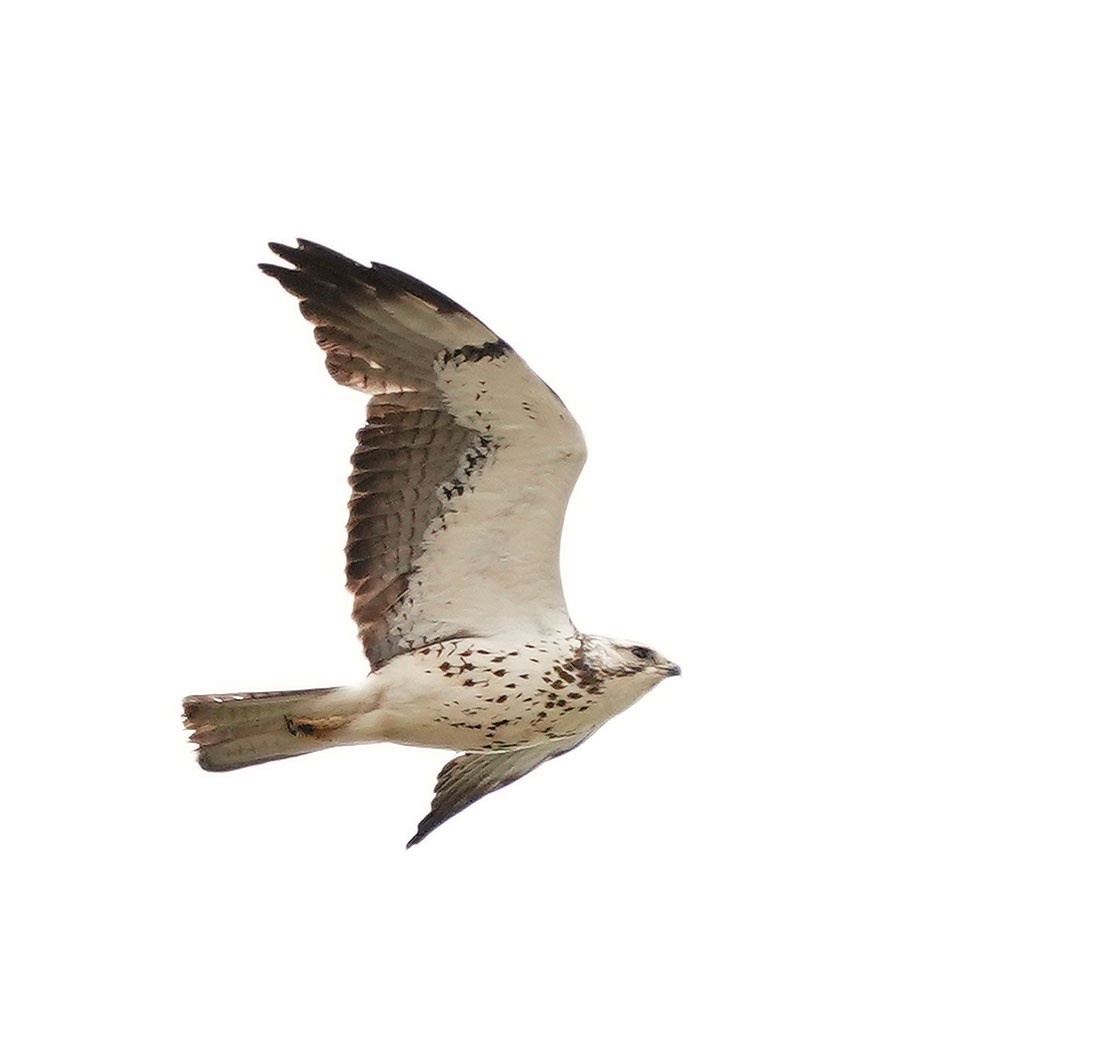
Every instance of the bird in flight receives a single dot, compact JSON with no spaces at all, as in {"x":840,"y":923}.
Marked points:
{"x":460,"y":480}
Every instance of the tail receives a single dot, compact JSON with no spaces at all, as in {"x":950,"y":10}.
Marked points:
{"x":247,"y":728}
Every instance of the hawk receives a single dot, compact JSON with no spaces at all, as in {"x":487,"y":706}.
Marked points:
{"x":459,"y":481}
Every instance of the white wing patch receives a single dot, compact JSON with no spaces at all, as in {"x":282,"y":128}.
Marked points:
{"x":491,"y":560}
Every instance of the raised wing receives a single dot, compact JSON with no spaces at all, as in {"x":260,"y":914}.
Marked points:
{"x":470,"y":777}
{"x":463,"y":471}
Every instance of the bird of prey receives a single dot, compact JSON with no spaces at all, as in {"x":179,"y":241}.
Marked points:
{"x":460,"y":480}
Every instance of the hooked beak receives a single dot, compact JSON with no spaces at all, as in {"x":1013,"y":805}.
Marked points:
{"x":672,"y":670}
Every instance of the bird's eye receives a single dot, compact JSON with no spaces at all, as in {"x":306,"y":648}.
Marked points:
{"x":640,"y":652}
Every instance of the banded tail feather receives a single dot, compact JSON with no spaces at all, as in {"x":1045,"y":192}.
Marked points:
{"x":237,"y":729}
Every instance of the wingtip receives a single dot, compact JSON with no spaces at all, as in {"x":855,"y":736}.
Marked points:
{"x":422,"y":830}
{"x":287,"y":253}
{"x":277,"y":271}
{"x":428,"y":825}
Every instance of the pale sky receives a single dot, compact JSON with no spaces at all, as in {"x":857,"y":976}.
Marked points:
{"x":818,"y":283}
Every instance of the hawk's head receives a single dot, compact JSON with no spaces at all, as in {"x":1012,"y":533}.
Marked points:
{"x":639,"y":659}
{"x":625,"y":670}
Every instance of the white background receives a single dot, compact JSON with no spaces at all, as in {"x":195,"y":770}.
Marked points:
{"x":818,"y":280}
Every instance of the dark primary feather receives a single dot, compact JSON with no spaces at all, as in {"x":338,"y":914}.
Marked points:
{"x":371,"y":345}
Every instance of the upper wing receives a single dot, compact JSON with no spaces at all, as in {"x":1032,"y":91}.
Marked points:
{"x":470,"y":777}
{"x":463,"y":471}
